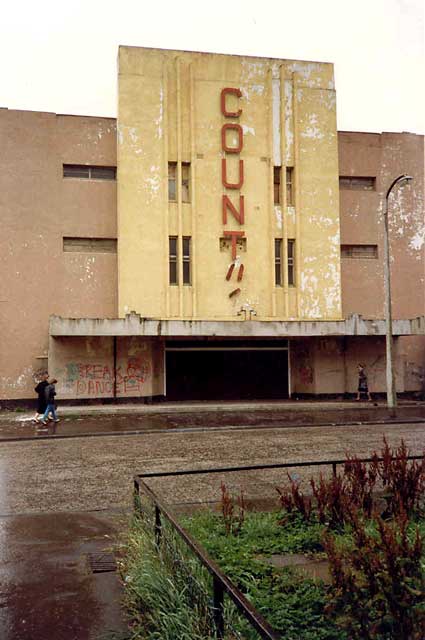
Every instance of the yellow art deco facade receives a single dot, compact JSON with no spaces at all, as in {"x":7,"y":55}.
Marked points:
{"x":206,"y":145}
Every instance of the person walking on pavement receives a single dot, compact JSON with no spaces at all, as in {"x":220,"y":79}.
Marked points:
{"x":363,"y":385}
{"x":50,"y":392}
{"x":40,"y":389}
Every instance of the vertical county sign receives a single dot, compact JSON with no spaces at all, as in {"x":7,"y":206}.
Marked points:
{"x":230,"y":204}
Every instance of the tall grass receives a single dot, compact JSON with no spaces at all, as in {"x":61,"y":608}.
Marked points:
{"x":158,"y":594}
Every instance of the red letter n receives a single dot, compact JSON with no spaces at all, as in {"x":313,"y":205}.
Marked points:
{"x":228,"y":205}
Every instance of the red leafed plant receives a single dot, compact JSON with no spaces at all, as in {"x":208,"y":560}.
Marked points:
{"x":292,"y":500}
{"x":378,"y":582}
{"x":333,"y":500}
{"x":403,"y":480}
{"x":233,"y":515}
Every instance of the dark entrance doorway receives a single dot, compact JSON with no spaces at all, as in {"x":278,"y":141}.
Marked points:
{"x":225,"y":372}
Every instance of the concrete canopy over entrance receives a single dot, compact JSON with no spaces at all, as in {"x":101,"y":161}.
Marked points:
{"x":135,"y":325}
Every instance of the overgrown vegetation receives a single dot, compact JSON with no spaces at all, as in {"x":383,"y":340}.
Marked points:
{"x":166,"y":591}
{"x":367,"y":521}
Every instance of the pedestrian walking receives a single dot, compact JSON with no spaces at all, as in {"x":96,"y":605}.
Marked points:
{"x":40,"y":389}
{"x":50,"y":392}
{"x":363,"y":385}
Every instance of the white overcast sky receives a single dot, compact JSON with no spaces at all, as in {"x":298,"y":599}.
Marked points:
{"x":61,"y":56}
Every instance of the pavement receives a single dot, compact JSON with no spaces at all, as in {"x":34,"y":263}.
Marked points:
{"x":65,"y":495}
{"x":92,"y":420}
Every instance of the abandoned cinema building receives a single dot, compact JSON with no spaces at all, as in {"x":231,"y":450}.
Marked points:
{"x":219,"y":240}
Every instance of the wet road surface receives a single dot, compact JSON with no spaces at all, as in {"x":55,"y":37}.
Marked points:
{"x":16,"y":425}
{"x":59,"y":497}
{"x":48,"y":591}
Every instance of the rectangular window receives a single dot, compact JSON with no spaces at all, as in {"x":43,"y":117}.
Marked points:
{"x":185,"y":181}
{"x":90,"y":245}
{"x":291,"y":263}
{"x":278,"y":262}
{"x":290,"y":201}
{"x":357,"y":183}
{"x":89,"y":172}
{"x":186,"y":261}
{"x":367,"y":251}
{"x":173,"y":259}
{"x":277,"y":172}
{"x":172,"y":181}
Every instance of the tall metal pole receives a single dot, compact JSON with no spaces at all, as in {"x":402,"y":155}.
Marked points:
{"x":391,"y":388}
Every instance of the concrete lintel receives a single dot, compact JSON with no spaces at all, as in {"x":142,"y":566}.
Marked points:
{"x":134,"y":325}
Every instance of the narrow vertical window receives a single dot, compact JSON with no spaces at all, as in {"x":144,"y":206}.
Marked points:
{"x":278,"y":261}
{"x":277,"y":172}
{"x":290,"y":186}
{"x":185,"y":181}
{"x":172,"y":181}
{"x":291,"y":263}
{"x":186,"y":261}
{"x":173,"y":259}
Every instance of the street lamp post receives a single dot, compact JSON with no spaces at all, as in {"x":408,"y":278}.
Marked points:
{"x":391,"y":390}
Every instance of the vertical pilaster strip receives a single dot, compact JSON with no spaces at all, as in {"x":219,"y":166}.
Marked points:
{"x":271,"y":188}
{"x":165,"y":186}
{"x":193,"y":193}
{"x":283,"y":195}
{"x":179,"y":188}
{"x":297,"y":199}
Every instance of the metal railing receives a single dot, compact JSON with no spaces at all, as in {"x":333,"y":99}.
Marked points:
{"x":221,"y":583}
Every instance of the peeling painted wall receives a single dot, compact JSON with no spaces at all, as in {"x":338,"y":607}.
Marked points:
{"x":37,"y":208}
{"x":383,"y":156}
{"x":169,"y":110}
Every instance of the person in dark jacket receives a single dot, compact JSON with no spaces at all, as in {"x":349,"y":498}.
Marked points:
{"x":40,"y":389}
{"x":363,"y":385}
{"x":50,"y":392}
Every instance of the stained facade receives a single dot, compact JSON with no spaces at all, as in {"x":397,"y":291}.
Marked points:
{"x":214,"y":241}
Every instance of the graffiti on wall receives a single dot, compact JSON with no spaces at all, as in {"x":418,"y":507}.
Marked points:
{"x":90,"y":379}
{"x":132,"y":376}
{"x":304,"y":368}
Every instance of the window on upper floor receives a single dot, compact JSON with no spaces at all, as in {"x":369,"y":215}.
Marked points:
{"x":89,"y":245}
{"x":89,"y":172}
{"x":291,"y":263}
{"x":277,"y":173}
{"x":290,"y":200}
{"x":366,"y":251}
{"x":174,"y":259}
{"x":278,"y":262}
{"x":187,"y":260}
{"x":357,"y":183}
{"x":172,"y":181}
{"x":173,"y":255}
{"x":185,"y":181}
